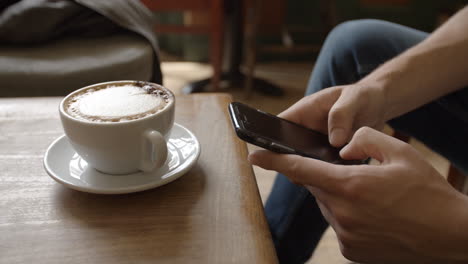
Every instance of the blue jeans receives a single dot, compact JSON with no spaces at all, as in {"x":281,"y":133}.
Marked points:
{"x":351,"y":51}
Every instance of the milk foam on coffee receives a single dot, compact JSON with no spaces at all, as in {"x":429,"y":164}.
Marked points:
{"x":117,"y":103}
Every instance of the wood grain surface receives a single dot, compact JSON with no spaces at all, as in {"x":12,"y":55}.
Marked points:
{"x":213,"y":214}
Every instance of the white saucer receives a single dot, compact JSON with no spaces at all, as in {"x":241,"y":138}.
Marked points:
{"x":66,"y":167}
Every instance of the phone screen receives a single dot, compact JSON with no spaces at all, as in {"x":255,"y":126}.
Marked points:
{"x":271,"y":128}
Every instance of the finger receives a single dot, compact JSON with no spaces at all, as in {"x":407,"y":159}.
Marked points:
{"x":312,"y":111}
{"x":300,"y":170}
{"x":340,"y":121}
{"x":368,"y":142}
{"x":294,"y":112}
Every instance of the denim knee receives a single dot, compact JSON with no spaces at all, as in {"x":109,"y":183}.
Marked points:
{"x":352,"y":33}
{"x":355,"y":48}
{"x":338,"y":62}
{"x":365,"y":43}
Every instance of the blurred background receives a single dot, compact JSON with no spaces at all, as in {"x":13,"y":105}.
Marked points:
{"x":305,"y":21}
{"x":261,"y":52}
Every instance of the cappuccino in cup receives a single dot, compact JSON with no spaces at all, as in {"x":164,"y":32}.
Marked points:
{"x":118,"y":103}
{"x":119,"y":127}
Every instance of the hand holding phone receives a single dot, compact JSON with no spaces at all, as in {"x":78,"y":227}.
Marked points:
{"x":282,"y":136}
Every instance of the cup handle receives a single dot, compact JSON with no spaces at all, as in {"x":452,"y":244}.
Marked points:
{"x":154,"y":154}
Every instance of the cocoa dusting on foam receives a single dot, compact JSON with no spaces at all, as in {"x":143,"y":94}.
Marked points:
{"x":153,"y":89}
{"x":118,"y":103}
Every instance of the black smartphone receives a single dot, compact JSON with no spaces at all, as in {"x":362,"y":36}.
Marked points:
{"x":279,"y":135}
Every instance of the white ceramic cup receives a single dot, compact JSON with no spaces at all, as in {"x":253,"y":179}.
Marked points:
{"x":120,"y":147}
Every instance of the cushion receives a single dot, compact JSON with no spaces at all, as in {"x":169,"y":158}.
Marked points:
{"x":62,"y":66}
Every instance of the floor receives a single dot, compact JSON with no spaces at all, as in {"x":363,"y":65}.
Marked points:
{"x":292,"y":77}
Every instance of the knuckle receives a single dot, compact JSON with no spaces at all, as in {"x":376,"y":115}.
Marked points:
{"x":292,"y":171}
{"x":364,"y":131}
{"x":338,"y":113}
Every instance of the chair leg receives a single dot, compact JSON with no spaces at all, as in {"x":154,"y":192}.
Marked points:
{"x":216,"y":42}
{"x":251,"y":28}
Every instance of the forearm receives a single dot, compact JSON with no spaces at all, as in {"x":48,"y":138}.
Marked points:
{"x":435,"y":67}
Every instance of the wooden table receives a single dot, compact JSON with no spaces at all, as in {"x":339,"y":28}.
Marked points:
{"x":213,"y":214}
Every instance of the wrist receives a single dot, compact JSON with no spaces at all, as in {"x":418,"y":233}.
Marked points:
{"x":378,"y":90}
{"x":395,"y":81}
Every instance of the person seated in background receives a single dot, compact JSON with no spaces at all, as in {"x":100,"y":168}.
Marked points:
{"x":400,"y":210}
